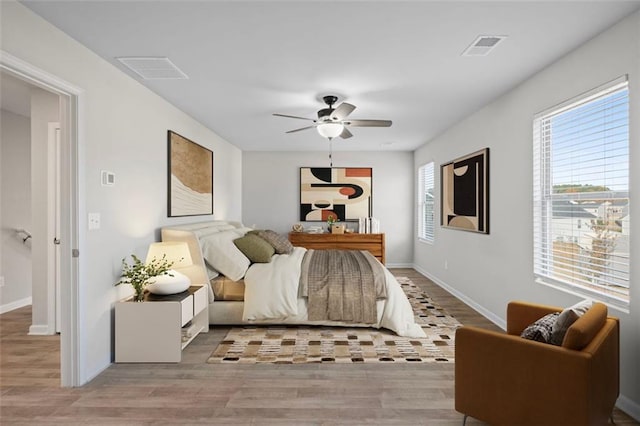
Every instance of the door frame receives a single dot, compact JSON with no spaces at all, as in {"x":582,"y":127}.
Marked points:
{"x":71,"y":119}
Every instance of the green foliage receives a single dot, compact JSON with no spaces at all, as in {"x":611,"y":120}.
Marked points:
{"x":331,"y":219}
{"x":139,"y":274}
{"x":573,"y":188}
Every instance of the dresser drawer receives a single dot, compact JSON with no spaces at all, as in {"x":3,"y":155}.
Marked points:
{"x":373,"y":243}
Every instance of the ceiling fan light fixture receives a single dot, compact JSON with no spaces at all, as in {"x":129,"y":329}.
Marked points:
{"x":330,"y":130}
{"x":332,"y":122}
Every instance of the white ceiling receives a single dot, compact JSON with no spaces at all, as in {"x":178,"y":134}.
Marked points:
{"x":393,"y":60}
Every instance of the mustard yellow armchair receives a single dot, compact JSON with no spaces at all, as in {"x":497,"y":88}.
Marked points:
{"x":504,"y":379}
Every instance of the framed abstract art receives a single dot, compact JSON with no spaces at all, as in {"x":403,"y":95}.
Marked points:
{"x":464,"y":188}
{"x":344,"y":192}
{"x":190,"y":177}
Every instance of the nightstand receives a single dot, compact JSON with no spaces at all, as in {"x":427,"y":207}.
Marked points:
{"x":158,"y":329}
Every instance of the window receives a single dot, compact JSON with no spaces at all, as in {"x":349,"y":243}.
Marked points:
{"x":426,"y":202}
{"x":581,"y":194}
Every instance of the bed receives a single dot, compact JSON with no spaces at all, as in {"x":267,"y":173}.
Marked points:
{"x":244,"y":292}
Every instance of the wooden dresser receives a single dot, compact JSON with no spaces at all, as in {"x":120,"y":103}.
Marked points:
{"x":374,"y":243}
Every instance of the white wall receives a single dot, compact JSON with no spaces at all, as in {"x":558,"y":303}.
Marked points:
{"x":15,"y":205}
{"x":124,"y":130}
{"x":488,"y":271}
{"x":271,"y":192}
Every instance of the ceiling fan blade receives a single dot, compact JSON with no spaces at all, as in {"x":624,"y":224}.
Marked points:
{"x":294,"y":116}
{"x":368,"y":123}
{"x":346,"y":134}
{"x":302,"y":128}
{"x":342,"y":111}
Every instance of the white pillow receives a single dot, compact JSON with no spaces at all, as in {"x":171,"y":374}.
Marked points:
{"x":220,"y":252}
{"x":566,"y":319}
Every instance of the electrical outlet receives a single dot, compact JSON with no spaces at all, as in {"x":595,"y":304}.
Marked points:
{"x":1,"y":281}
{"x":446,"y":264}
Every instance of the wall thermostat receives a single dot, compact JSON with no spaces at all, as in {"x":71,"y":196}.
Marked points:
{"x":108,"y":178}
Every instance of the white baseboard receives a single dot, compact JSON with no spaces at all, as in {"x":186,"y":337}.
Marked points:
{"x":39,"y":330}
{"x":629,"y":407}
{"x":399,"y":265}
{"x":15,"y":305}
{"x":469,"y":302}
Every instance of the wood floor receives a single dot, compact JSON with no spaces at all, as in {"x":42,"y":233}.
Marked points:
{"x":194,"y":392}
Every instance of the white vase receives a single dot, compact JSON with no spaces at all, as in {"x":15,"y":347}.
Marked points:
{"x":167,"y":284}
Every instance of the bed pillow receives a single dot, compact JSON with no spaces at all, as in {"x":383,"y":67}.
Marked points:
{"x":279,"y":242}
{"x":255,"y":248}
{"x":566,"y":318}
{"x":218,"y":249}
{"x":540,"y":331}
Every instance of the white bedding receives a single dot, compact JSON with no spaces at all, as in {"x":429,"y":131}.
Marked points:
{"x":271,"y":293}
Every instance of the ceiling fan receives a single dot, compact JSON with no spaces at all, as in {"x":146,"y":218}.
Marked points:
{"x":332,"y":122}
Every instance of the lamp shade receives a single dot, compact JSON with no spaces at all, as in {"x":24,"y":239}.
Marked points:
{"x":175,"y":251}
{"x":330,"y":130}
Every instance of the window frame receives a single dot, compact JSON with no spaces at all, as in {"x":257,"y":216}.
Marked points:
{"x":423,"y":225}
{"x":543,"y":197}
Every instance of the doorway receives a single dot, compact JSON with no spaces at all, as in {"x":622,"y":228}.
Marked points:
{"x":61,"y":234}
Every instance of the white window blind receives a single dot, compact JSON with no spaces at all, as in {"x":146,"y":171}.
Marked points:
{"x":581,"y":194}
{"x":426,"y":202}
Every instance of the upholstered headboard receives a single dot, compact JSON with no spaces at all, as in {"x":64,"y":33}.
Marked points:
{"x":191,"y":234}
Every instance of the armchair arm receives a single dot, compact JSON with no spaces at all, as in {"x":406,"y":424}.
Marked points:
{"x":505,"y":379}
{"x":522,"y":314}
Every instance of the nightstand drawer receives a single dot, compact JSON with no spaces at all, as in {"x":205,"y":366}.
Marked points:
{"x":186,"y":306}
{"x":200,"y":300}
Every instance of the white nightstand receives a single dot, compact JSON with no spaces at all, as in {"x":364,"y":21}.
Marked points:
{"x":152,"y":331}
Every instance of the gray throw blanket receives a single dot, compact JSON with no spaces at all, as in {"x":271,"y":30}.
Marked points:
{"x":342,"y":285}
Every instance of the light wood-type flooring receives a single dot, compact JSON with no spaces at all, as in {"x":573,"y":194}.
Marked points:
{"x":194,"y":392}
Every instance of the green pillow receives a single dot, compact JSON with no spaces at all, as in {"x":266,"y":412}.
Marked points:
{"x":255,"y":248}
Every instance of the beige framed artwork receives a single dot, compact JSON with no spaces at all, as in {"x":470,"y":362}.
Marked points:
{"x":190,"y":177}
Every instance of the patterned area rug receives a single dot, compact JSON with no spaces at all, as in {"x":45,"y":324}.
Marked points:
{"x":318,"y":344}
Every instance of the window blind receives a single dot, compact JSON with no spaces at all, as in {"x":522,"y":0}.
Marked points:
{"x":426,"y":202}
{"x":581,"y":193}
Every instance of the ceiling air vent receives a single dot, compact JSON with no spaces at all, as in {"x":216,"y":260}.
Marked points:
{"x":482,"y":45}
{"x":153,"y":68}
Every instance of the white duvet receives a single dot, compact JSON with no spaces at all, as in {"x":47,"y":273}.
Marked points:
{"x":271,"y":293}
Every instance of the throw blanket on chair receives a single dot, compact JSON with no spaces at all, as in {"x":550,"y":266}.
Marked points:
{"x":342,"y":285}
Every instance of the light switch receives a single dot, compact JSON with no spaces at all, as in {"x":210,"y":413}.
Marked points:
{"x":94,"y":221}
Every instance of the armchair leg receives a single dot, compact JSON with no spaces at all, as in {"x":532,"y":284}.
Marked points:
{"x":464,"y":420}
{"x":611,"y":418}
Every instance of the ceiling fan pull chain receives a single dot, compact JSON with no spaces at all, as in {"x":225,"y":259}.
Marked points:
{"x":330,"y":152}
